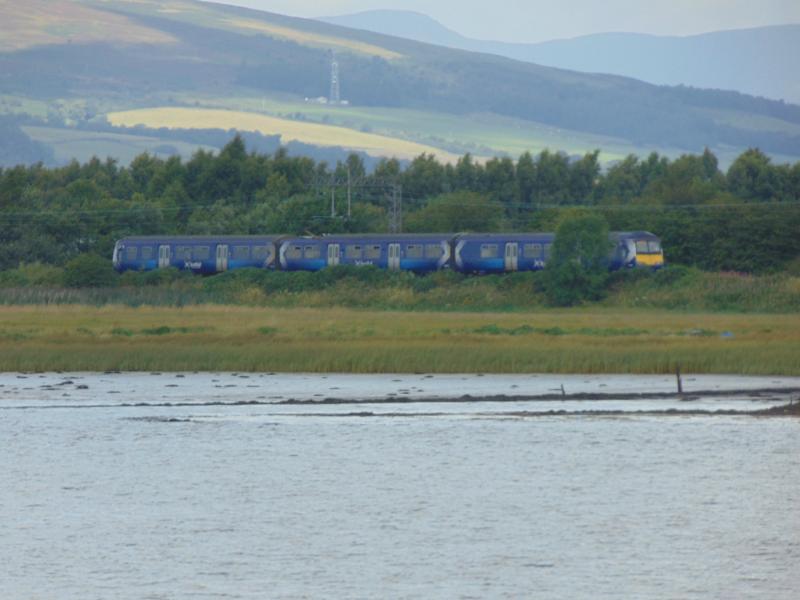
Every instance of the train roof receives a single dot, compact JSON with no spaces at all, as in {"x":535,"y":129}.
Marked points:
{"x":646,"y":235}
{"x":382,"y":237}
{"x":505,"y":236}
{"x":200,"y":238}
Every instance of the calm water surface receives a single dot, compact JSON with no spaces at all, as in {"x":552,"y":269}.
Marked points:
{"x":288,"y":502}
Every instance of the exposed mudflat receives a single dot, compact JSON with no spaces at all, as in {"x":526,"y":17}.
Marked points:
{"x":520,"y":395}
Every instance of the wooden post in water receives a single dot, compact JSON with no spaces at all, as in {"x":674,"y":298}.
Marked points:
{"x":678,"y":377}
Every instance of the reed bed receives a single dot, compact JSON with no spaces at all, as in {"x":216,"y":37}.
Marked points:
{"x":236,"y":338}
{"x":675,"y":288}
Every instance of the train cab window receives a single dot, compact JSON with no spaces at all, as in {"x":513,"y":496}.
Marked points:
{"x":654,"y":247}
{"x":433,"y":250}
{"x":259,"y":253}
{"x":372,"y":251}
{"x":547,"y":250}
{"x":294,"y":252}
{"x":532,"y":250}
{"x":414,"y":251}
{"x":130,"y":252}
{"x":489,"y":251}
{"x":352,"y":251}
{"x":313,"y":252}
{"x":201,"y":252}
{"x":641,"y":247}
{"x":183,"y":252}
{"x":241,"y":253}
{"x":147,"y":252}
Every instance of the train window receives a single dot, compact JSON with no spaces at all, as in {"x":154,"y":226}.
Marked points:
{"x":294,"y":252}
{"x":489,"y":251}
{"x":130,"y":252}
{"x":201,"y":252}
{"x":433,"y":250}
{"x":372,"y":252}
{"x":654,"y":247}
{"x":259,"y":252}
{"x":532,"y":250}
{"x":147,"y":252}
{"x":241,"y":253}
{"x":547,"y":249}
{"x":312,"y":252}
{"x":641,"y":247}
{"x":183,"y":252}
{"x":414,"y":251}
{"x":352,"y":251}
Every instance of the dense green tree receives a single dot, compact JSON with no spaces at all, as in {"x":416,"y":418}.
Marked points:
{"x":583,"y":176}
{"x":687,"y":180}
{"x":622,"y":184}
{"x":752,"y":177}
{"x":578,"y":266}
{"x":552,"y":179}
{"x":423,"y":179}
{"x":526,"y":179}
{"x":467,"y":174}
{"x":456,"y":211}
{"x":500,"y":181}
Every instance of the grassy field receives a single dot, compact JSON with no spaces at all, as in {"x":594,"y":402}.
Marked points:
{"x":40,"y":22}
{"x":81,"y":145}
{"x":596,"y":340}
{"x":482,"y":135}
{"x":208,"y":15}
{"x":310,"y":133}
{"x":312,"y":39}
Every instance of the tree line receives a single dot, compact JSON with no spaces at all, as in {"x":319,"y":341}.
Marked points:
{"x":742,"y":219}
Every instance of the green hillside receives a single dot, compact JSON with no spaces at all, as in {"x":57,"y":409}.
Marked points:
{"x":117,"y":55}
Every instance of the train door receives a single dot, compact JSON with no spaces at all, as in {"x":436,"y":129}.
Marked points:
{"x":163,"y":257}
{"x":394,"y":257}
{"x":333,"y":255}
{"x":512,"y":256}
{"x":222,"y":258}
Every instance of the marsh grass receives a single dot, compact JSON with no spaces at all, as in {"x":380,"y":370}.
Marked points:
{"x":674,"y":288}
{"x":597,"y":340}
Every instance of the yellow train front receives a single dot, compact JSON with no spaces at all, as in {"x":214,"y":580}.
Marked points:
{"x":637,"y":249}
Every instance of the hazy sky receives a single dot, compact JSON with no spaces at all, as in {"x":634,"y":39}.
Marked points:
{"x":538,"y":20}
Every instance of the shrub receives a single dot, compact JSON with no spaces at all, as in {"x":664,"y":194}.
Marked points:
{"x":89,"y":270}
{"x":578,"y":268}
{"x":32,"y":274}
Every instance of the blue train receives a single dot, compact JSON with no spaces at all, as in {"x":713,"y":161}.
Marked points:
{"x":420,"y":253}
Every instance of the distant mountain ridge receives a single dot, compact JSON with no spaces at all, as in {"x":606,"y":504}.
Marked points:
{"x":202,"y":54}
{"x":754,"y":61}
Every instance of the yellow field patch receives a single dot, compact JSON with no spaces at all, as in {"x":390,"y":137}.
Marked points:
{"x":313,"y":39}
{"x":308,"y":133}
{"x":44,"y":22}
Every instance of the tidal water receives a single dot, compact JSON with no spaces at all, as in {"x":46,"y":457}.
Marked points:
{"x":163,"y":487}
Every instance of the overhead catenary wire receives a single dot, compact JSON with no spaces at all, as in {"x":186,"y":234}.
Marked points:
{"x":494,"y":203}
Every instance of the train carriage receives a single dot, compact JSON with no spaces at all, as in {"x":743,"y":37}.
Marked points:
{"x":199,"y":254}
{"x":501,"y":252}
{"x":420,"y":253}
{"x":508,"y":252}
